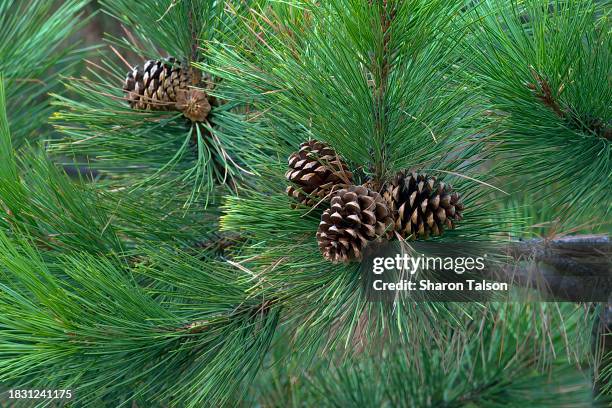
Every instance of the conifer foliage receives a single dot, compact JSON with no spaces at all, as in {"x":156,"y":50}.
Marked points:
{"x":240,"y":162}
{"x":544,"y":69}
{"x":34,"y":52}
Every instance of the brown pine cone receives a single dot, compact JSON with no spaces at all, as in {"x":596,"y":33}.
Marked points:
{"x":193,"y":103}
{"x":167,"y":85}
{"x":357,"y":216}
{"x":421,"y":205}
{"x":316,"y":170}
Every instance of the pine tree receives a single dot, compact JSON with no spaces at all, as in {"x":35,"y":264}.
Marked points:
{"x":252,"y":155}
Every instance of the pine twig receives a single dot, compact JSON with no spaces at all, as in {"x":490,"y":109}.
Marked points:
{"x":261,"y":309}
{"x":220,"y":243}
{"x":387,"y":15}
{"x":544,"y":93}
{"x":572,"y":268}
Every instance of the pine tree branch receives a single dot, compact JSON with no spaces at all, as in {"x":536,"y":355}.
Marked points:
{"x":261,"y":309}
{"x":557,"y":62}
{"x":89,"y":313}
{"x":573,"y":268}
{"x":560,"y":251}
{"x":381,"y":67}
{"x":544,"y":93}
{"x":36,"y":48}
{"x":483,"y":364}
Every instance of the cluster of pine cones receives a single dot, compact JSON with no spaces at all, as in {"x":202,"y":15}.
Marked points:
{"x":169,"y":85}
{"x":410,"y":206}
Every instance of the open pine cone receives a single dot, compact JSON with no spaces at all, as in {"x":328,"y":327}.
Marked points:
{"x":166,"y":85}
{"x":316,"y":170}
{"x":421,"y":205}
{"x":357,"y":215}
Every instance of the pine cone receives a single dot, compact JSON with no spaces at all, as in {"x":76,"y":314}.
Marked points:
{"x":357,"y":215}
{"x":316,"y":170}
{"x":165,"y":85}
{"x":193,"y":103}
{"x":421,"y":205}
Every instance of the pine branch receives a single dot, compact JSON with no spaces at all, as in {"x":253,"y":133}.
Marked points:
{"x":101,"y":288}
{"x":323,"y":81}
{"x":380,"y":68}
{"x":545,"y":94}
{"x":560,"y":135}
{"x":86,"y":324}
{"x":66,"y":214}
{"x":166,"y":153}
{"x":574,"y":268}
{"x":483,"y":364}
{"x":560,"y":252}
